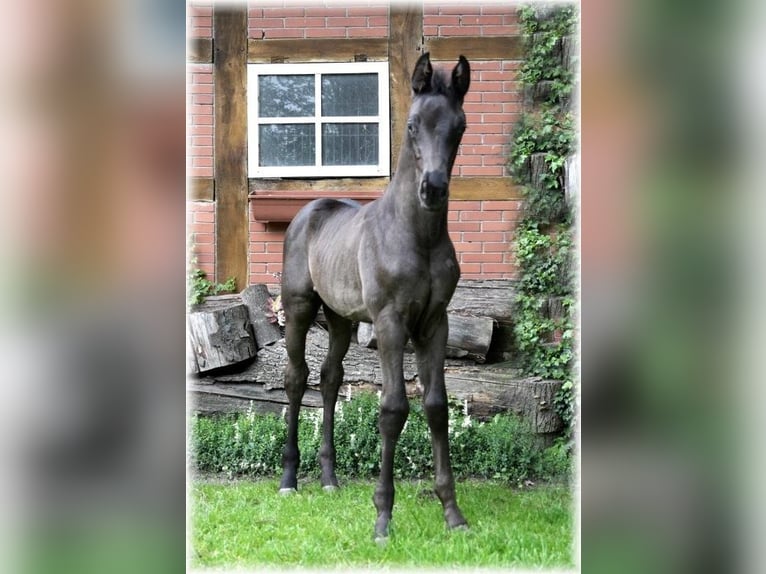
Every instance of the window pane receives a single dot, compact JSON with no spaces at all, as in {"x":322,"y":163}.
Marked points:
{"x":349,"y":144}
{"x":286,"y":144}
{"x":349,"y":94}
{"x":285,"y":96}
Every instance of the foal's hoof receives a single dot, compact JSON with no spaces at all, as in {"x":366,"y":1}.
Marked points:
{"x":330,"y":487}
{"x":287,"y":491}
{"x":460,"y":528}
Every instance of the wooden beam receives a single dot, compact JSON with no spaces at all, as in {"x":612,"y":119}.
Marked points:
{"x":230,"y":81}
{"x":405,"y":36}
{"x":481,"y":188}
{"x":476,"y":47}
{"x":199,"y":50}
{"x":201,"y":189}
{"x":317,"y":50}
{"x":317,"y":186}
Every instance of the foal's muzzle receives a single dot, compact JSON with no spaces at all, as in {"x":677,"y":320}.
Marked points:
{"x":434,"y":190}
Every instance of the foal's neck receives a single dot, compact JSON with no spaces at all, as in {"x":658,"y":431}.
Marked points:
{"x":428,"y":227}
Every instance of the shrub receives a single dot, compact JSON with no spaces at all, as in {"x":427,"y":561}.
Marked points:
{"x":250,"y":444}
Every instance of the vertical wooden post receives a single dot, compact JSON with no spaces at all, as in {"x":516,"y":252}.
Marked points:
{"x":230,"y":67}
{"x":405,"y":40}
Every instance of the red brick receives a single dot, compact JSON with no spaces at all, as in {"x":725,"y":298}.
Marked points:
{"x":204,"y":217}
{"x":496,"y":225}
{"x":267,"y":23}
{"x":202,"y":141}
{"x":280,"y":34}
{"x":496,"y":246}
{"x":202,"y":99}
{"x":500,"y":205}
{"x":200,"y":228}
{"x":459,"y":30}
{"x":378,"y":21}
{"x":200,"y":172}
{"x":500,"y":30}
{"x":326,"y":12}
{"x":467,"y":158}
{"x":304,"y":22}
{"x":479,"y":65}
{"x":201,"y":88}
{"x":265,"y":236}
{"x":275,"y":246}
{"x":430,"y":30}
{"x":381,"y":10}
{"x":202,"y":78}
{"x":266,"y":257}
{"x":283,"y":12}
{"x":480,"y":216}
{"x":498,"y":9}
{"x":464,"y":225}
{"x":205,"y":110}
{"x":468,"y":268}
{"x":441,"y":20}
{"x":460,"y":9}
{"x":346,"y":21}
{"x":483,"y":236}
{"x":463,"y":205}
{"x":482,"y":257}
{"x":488,"y":171}
{"x":203,"y":238}
{"x":468,"y":247}
{"x":367,"y":32}
{"x":490,"y":75}
{"x":203,"y":120}
{"x":202,"y":161}
{"x":496,"y":268}
{"x":201,"y":130}
{"x":326,"y":33}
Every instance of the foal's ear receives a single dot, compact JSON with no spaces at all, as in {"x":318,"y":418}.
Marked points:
{"x":461,"y":78}
{"x":421,"y":77}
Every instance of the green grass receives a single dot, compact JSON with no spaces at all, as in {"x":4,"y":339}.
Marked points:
{"x":245,"y":524}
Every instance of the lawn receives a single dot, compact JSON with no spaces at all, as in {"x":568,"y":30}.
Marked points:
{"x":244,"y":523}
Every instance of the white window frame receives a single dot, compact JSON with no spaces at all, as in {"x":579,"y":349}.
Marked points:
{"x":383,"y":167}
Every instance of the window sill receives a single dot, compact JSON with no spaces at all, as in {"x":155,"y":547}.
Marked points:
{"x":282,"y":206}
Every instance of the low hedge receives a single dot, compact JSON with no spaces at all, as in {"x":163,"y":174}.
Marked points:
{"x":251,"y":444}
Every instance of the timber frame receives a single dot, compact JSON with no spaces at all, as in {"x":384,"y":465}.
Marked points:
{"x":277,"y":200}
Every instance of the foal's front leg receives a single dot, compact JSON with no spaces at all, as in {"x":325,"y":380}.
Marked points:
{"x":394,"y":409}
{"x":431,"y":349}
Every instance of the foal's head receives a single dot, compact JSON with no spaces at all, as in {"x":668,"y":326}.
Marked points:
{"x":435,"y":127}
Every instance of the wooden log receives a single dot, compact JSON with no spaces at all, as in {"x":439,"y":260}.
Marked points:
{"x":220,"y":337}
{"x":468,"y":336}
{"x":488,"y":393}
{"x":486,"y":389}
{"x":258,"y":301}
{"x":484,"y":297}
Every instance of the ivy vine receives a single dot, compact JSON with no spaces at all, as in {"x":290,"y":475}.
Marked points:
{"x":543,"y":140}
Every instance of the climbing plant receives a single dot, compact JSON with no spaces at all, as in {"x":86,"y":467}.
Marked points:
{"x":543,"y":141}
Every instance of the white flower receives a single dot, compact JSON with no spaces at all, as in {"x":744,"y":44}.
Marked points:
{"x":466,"y":421}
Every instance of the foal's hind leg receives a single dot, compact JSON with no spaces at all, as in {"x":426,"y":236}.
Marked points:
{"x":430,"y":349}
{"x":300,"y":312}
{"x":331,"y":380}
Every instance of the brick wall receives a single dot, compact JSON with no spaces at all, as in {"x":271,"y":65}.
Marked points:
{"x":199,"y":20}
{"x":201,"y":227}
{"x":469,"y":20}
{"x":337,"y":20}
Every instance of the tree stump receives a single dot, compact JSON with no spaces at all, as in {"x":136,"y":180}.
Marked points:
{"x":219,"y":337}
{"x":258,"y":301}
{"x":468,"y":337}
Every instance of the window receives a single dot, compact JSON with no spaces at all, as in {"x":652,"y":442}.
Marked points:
{"x":318,"y":120}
